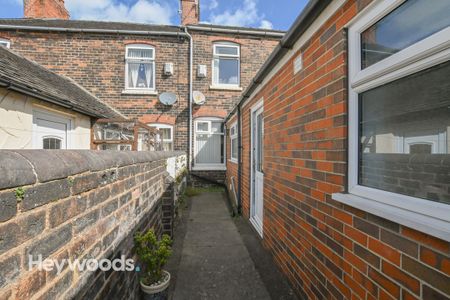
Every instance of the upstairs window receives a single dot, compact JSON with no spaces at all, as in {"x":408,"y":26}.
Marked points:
{"x":226,"y":65}
{"x":140,"y":68}
{"x":5,"y":43}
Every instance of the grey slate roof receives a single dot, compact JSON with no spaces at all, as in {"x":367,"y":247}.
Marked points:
{"x":82,"y":24}
{"x":99,"y":26}
{"x":23,"y":75}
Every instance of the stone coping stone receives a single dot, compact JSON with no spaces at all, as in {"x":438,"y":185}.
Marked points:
{"x":25,"y":167}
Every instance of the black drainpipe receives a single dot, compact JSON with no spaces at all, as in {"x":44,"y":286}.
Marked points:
{"x":239,"y":207}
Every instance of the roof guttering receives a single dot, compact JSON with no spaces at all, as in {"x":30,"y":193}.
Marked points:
{"x":309,"y":14}
{"x":237,"y":31}
{"x":27,"y":91}
{"x":87,"y":30}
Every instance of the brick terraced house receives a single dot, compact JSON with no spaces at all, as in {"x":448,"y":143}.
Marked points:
{"x":41,"y":109}
{"x":340,"y":150}
{"x":129,"y":66}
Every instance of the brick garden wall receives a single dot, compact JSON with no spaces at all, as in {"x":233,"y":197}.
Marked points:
{"x":77,"y":204}
{"x":329,"y":250}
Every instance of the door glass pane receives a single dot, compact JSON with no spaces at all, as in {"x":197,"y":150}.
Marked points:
{"x":259,"y":146}
{"x":411,"y":22}
{"x":209,"y":148}
{"x":228,"y":71}
{"x":217,"y":127}
{"x":404,"y":135}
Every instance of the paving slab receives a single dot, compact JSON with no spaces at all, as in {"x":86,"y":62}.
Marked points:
{"x":214,"y":262}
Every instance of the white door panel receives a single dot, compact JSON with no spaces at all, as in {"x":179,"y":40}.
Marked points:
{"x":257,"y":203}
{"x":50,"y":132}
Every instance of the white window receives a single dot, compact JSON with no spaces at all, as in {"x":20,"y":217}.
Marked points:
{"x":5,"y":43}
{"x":140,"y":68}
{"x":165,"y":136}
{"x":234,"y":143}
{"x":209,"y":144}
{"x":226,"y":65}
{"x":399,"y":114}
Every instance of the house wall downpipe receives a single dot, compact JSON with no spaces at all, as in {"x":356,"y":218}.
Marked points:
{"x":191,"y":62}
{"x":239,"y":200}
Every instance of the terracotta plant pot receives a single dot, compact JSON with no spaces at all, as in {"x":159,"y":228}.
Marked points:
{"x":157,"y":287}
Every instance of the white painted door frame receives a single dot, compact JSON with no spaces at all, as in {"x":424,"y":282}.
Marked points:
{"x":257,"y":221}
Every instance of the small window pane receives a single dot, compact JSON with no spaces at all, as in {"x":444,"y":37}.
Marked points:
{"x":411,"y":22}
{"x":217,"y":127}
{"x":167,"y":146}
{"x":51,"y":143}
{"x":234,"y":148}
{"x":202,"y":126}
{"x":220,"y":50}
{"x":166,"y":133}
{"x":140,"y":53}
{"x":405,"y":135}
{"x":228,"y":71}
{"x":140,"y":75}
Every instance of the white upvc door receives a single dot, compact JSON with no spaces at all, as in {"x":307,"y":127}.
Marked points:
{"x":257,"y":180}
{"x":50,"y":131}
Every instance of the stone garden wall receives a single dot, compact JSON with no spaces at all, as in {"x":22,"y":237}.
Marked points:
{"x":78,"y":205}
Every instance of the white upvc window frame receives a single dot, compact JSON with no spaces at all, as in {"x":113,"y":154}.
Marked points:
{"x":202,"y":166}
{"x":216,"y":55}
{"x":164,"y":126}
{"x":6,"y":43}
{"x":134,"y":90}
{"x":423,"y":215}
{"x":233,"y":136}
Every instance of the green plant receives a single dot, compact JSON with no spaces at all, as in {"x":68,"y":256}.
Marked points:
{"x":181,"y":175}
{"x":70,"y":181}
{"x":153,"y":254}
{"x":20,"y":193}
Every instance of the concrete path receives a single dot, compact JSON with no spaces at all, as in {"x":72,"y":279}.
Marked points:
{"x":213,"y":261}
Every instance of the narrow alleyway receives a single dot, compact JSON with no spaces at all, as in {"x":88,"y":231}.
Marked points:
{"x":212,"y":260}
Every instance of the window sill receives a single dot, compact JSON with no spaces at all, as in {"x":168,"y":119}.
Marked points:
{"x":137,"y":92}
{"x":225,"y":88}
{"x":209,"y":168}
{"x":432,"y":226}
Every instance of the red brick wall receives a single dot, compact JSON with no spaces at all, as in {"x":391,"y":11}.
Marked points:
{"x":327,"y":249}
{"x":97,"y":62}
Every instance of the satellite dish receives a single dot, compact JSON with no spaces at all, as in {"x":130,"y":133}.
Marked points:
{"x":168,"y":98}
{"x":199,"y":98}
